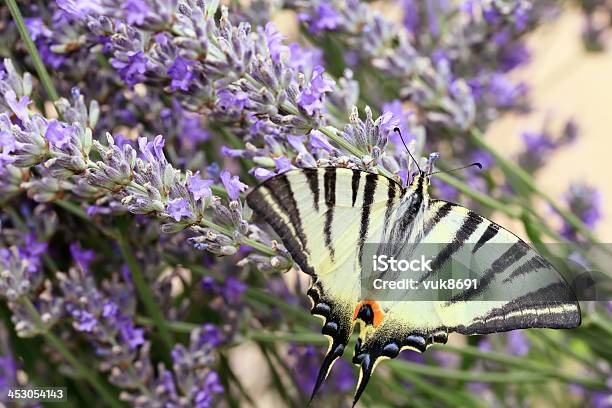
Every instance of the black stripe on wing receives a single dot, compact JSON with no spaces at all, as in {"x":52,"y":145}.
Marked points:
{"x":438,"y":216}
{"x":256,"y":201}
{"x":553,"y":306}
{"x":514,"y":254}
{"x":486,"y":236}
{"x":530,"y":265}
{"x":355,"y":185}
{"x":368,"y":199}
{"x":312,"y":175}
{"x":390,"y":202}
{"x":329,"y":182}
{"x":465,"y":231}
{"x":280,"y":190}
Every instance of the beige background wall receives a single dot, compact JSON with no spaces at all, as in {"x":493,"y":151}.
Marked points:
{"x":568,"y":82}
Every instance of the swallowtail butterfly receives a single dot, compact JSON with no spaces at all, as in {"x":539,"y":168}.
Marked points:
{"x":326,"y":216}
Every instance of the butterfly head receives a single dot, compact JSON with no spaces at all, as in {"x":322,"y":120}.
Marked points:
{"x":421,"y":179}
{"x":430,"y":163}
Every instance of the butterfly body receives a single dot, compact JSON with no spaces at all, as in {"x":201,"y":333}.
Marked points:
{"x":333,"y":220}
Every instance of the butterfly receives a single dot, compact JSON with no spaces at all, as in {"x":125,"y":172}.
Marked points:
{"x":328,"y":217}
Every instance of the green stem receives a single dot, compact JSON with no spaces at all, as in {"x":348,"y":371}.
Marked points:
{"x":298,"y":338}
{"x":143,"y":290}
{"x":43,"y":75}
{"x":477,"y":195}
{"x":252,"y":243}
{"x":448,"y":374}
{"x":177,"y":327}
{"x":526,"y":364}
{"x":73,"y":209}
{"x":252,"y":294}
{"x":522,"y":363}
{"x":451,"y":399}
{"x":83,"y":371}
{"x":604,"y":324}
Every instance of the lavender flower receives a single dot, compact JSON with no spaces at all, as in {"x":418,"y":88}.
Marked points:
{"x":585,"y":202}
{"x":22,"y":283}
{"x":145,"y":185}
{"x":232,"y":184}
{"x":517,"y":343}
{"x":198,"y":187}
{"x":540,"y":145}
{"x":8,"y":364}
{"x":305,"y":372}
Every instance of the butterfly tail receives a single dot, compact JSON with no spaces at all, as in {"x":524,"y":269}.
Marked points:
{"x":366,"y":364}
{"x":335,"y":351}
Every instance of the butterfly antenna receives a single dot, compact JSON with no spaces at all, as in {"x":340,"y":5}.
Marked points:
{"x":475,"y":164}
{"x":396,"y":129}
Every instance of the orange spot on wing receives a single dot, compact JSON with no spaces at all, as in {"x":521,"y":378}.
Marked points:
{"x":376,"y":310}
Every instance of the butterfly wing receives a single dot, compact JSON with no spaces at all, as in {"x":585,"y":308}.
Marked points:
{"x":324,"y":217}
{"x":327,"y":216}
{"x":517,"y":289}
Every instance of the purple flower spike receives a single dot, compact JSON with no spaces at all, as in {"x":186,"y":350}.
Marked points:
{"x":232,"y":184}
{"x":7,"y":142}
{"x":227,"y":151}
{"x":283,"y":164}
{"x":210,"y":334}
{"x":37,"y":29}
{"x":135,"y":11}
{"x":83,"y":257}
{"x":86,"y":322}
{"x":198,"y":187}
{"x":20,"y":108}
{"x":229,"y":100}
{"x":275,"y":42}
{"x":517,"y":343}
{"x":80,"y":9}
{"x":319,"y":141}
{"x":133,"y":336}
{"x":232,"y":290}
{"x":110,"y":309}
{"x":179,"y":208}
{"x":152,"y":152}
{"x":262,"y":174}
{"x":58,"y":134}
{"x":204,"y":396}
{"x":180,"y":74}
{"x":327,"y":18}
{"x":311,"y":99}
{"x":131,"y":71}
